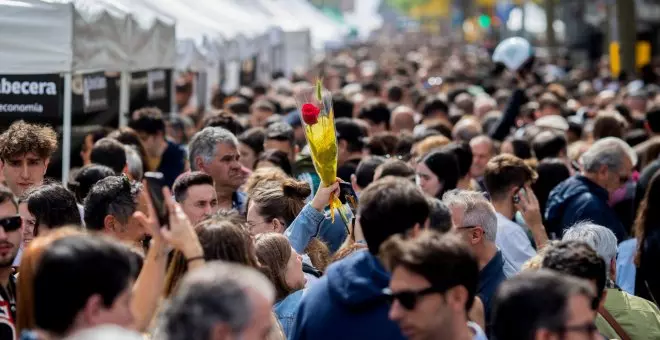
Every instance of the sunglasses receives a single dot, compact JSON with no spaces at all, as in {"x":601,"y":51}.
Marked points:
{"x":11,"y":223}
{"x":408,"y":299}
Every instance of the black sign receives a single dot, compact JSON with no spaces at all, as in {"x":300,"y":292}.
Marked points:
{"x":156,"y":85}
{"x":35,"y":95}
{"x":95,"y":92}
{"x":141,"y":82}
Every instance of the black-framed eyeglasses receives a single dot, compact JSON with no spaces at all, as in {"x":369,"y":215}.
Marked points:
{"x":587,"y":328}
{"x":408,"y":298}
{"x":11,"y":223}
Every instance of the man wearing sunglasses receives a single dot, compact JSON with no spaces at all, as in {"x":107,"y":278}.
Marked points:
{"x":606,"y":167}
{"x":545,"y":305}
{"x":10,"y":241}
{"x":433,"y":286}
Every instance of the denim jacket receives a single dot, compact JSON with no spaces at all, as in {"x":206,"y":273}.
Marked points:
{"x":286,"y":310}
{"x":310,"y":223}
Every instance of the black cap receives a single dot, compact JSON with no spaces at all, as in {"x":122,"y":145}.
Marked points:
{"x":350,"y":131}
{"x":280,"y":131}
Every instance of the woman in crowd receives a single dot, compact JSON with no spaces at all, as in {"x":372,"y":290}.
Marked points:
{"x":283,"y":267}
{"x":223,"y":237}
{"x":85,"y":179}
{"x":274,"y":206}
{"x":647,"y":231}
{"x":48,"y":207}
{"x":438,"y":173}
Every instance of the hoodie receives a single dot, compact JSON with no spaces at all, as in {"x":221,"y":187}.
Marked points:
{"x":579,"y":199}
{"x":347,"y":303}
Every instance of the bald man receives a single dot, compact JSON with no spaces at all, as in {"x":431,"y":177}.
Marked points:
{"x":403,"y":119}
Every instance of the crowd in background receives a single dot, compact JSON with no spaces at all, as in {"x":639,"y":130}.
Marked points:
{"x":491,"y":206}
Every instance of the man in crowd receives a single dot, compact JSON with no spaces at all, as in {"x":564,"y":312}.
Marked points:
{"x":364,"y":173}
{"x":162,"y":155}
{"x":475,"y":221}
{"x":350,"y":141}
{"x":350,"y":292}
{"x":440,"y":273}
{"x":376,"y":113}
{"x":260,"y":111}
{"x":11,"y":233}
{"x":483,"y":149}
{"x":639,"y":318}
{"x":109,"y":208}
{"x":88,"y":143}
{"x":111,"y":153}
{"x":220,"y":301}
{"x":544,"y":305}
{"x":606,"y":166}
{"x":550,"y":144}
{"x":195,"y":192}
{"x":215,"y":151}
{"x":280,"y":136}
{"x":435,"y":108}
{"x":508,"y":181}
{"x":403,"y":119}
{"x":81,"y":282}
{"x":25,"y":151}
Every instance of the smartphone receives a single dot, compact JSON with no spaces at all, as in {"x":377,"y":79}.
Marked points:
{"x":155,"y":184}
{"x":347,"y":195}
{"x":516,"y":197}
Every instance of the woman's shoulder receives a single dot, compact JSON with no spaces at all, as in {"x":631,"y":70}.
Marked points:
{"x":289,"y":305}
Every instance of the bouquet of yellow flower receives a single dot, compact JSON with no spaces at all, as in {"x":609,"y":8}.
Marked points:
{"x":315,"y":104}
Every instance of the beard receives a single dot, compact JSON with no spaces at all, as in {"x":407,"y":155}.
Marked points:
{"x":8,"y":260}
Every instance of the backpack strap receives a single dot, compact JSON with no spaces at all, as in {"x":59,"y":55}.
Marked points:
{"x":613,"y":323}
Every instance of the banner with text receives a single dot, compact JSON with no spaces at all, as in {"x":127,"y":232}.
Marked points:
{"x":34,"y":95}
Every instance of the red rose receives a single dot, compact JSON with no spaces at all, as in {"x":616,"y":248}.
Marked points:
{"x":310,"y":114}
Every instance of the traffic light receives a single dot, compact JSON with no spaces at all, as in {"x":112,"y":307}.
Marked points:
{"x":484,"y":21}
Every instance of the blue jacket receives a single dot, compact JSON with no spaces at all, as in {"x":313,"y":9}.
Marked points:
{"x":172,"y":163}
{"x":578,"y":199}
{"x":347,"y":303}
{"x":286,"y":310}
{"x":311,"y":223}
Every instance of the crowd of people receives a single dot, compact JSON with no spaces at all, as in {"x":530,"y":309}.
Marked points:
{"x":515,"y":206}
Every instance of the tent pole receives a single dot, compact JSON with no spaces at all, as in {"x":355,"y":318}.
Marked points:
{"x":66,"y":129}
{"x":124,"y":98}
{"x":173,"y":110}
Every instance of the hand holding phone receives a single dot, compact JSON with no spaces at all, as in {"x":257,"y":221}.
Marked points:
{"x":155,"y":186}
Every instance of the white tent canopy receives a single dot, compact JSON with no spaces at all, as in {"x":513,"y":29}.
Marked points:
{"x":80,"y":35}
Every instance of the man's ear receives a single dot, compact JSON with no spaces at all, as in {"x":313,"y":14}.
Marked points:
{"x":46,"y":162}
{"x":199,"y":164}
{"x":354,"y":184}
{"x":476,"y":235}
{"x":92,"y":310}
{"x":109,"y":223}
{"x":125,"y":170}
{"x":457,"y":297}
{"x":296,"y":149}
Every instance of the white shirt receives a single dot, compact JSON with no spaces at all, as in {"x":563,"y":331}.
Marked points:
{"x":515,"y":245}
